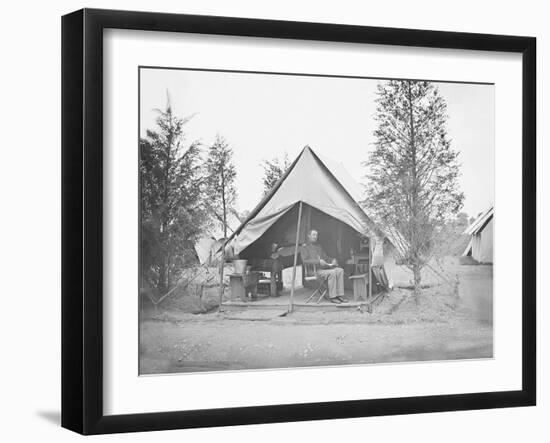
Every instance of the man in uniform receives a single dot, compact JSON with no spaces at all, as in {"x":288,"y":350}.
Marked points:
{"x":312,"y":253}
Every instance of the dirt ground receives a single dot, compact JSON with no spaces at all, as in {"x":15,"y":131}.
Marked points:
{"x":189,"y":334}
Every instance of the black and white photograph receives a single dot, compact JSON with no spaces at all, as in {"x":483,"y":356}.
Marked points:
{"x":292,"y":221}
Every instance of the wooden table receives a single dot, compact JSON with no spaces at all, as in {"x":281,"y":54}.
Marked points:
{"x":243,"y":286}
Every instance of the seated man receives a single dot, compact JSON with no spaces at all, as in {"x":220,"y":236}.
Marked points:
{"x":312,"y":253}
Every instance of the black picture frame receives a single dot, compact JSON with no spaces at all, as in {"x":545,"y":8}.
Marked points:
{"x":82,"y":218}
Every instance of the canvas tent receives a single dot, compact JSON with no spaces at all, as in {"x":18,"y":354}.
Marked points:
{"x":208,"y":246}
{"x":327,"y":199}
{"x":480,"y":247}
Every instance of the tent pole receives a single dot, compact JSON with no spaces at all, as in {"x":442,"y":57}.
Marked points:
{"x":291,"y":301}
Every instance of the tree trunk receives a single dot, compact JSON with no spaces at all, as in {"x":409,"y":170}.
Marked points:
{"x":417,"y":280}
{"x":161,"y":284}
{"x":222,"y":258}
{"x":222,"y":262}
{"x":224,"y":207}
{"x":415,"y":246}
{"x":164,"y":284}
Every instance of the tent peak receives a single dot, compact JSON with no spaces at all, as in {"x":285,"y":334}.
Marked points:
{"x":480,"y":222}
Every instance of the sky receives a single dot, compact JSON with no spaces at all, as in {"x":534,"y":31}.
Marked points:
{"x":266,"y":115}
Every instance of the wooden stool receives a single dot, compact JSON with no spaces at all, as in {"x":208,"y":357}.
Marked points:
{"x":360,"y":285}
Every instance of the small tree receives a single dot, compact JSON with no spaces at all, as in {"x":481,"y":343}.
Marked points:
{"x":220,"y":180}
{"x":273,"y":171}
{"x":221,"y":191}
{"x":413,"y":171}
{"x":171,"y":211}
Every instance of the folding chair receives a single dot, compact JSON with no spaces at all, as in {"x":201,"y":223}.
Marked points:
{"x":311,"y":275}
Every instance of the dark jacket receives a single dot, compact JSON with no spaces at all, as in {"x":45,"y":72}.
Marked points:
{"x":312,"y":253}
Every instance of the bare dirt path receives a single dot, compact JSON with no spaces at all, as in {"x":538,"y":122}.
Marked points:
{"x":212,"y":342}
{"x":441,"y":327}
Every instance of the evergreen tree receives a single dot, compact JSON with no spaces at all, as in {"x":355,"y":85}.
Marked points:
{"x":220,"y":180}
{"x":171,"y":210}
{"x":273,"y":171}
{"x":221,"y":191}
{"x":413,"y":170}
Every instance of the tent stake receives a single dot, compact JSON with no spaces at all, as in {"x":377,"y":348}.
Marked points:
{"x":291,"y":301}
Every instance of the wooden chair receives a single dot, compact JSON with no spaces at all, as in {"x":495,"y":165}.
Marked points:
{"x":311,"y":276}
{"x":273,"y":283}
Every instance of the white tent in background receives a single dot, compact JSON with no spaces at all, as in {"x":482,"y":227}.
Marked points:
{"x":480,"y":247}
{"x":208,"y":246}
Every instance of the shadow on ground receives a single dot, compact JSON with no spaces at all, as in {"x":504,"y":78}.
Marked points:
{"x":53,"y":417}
